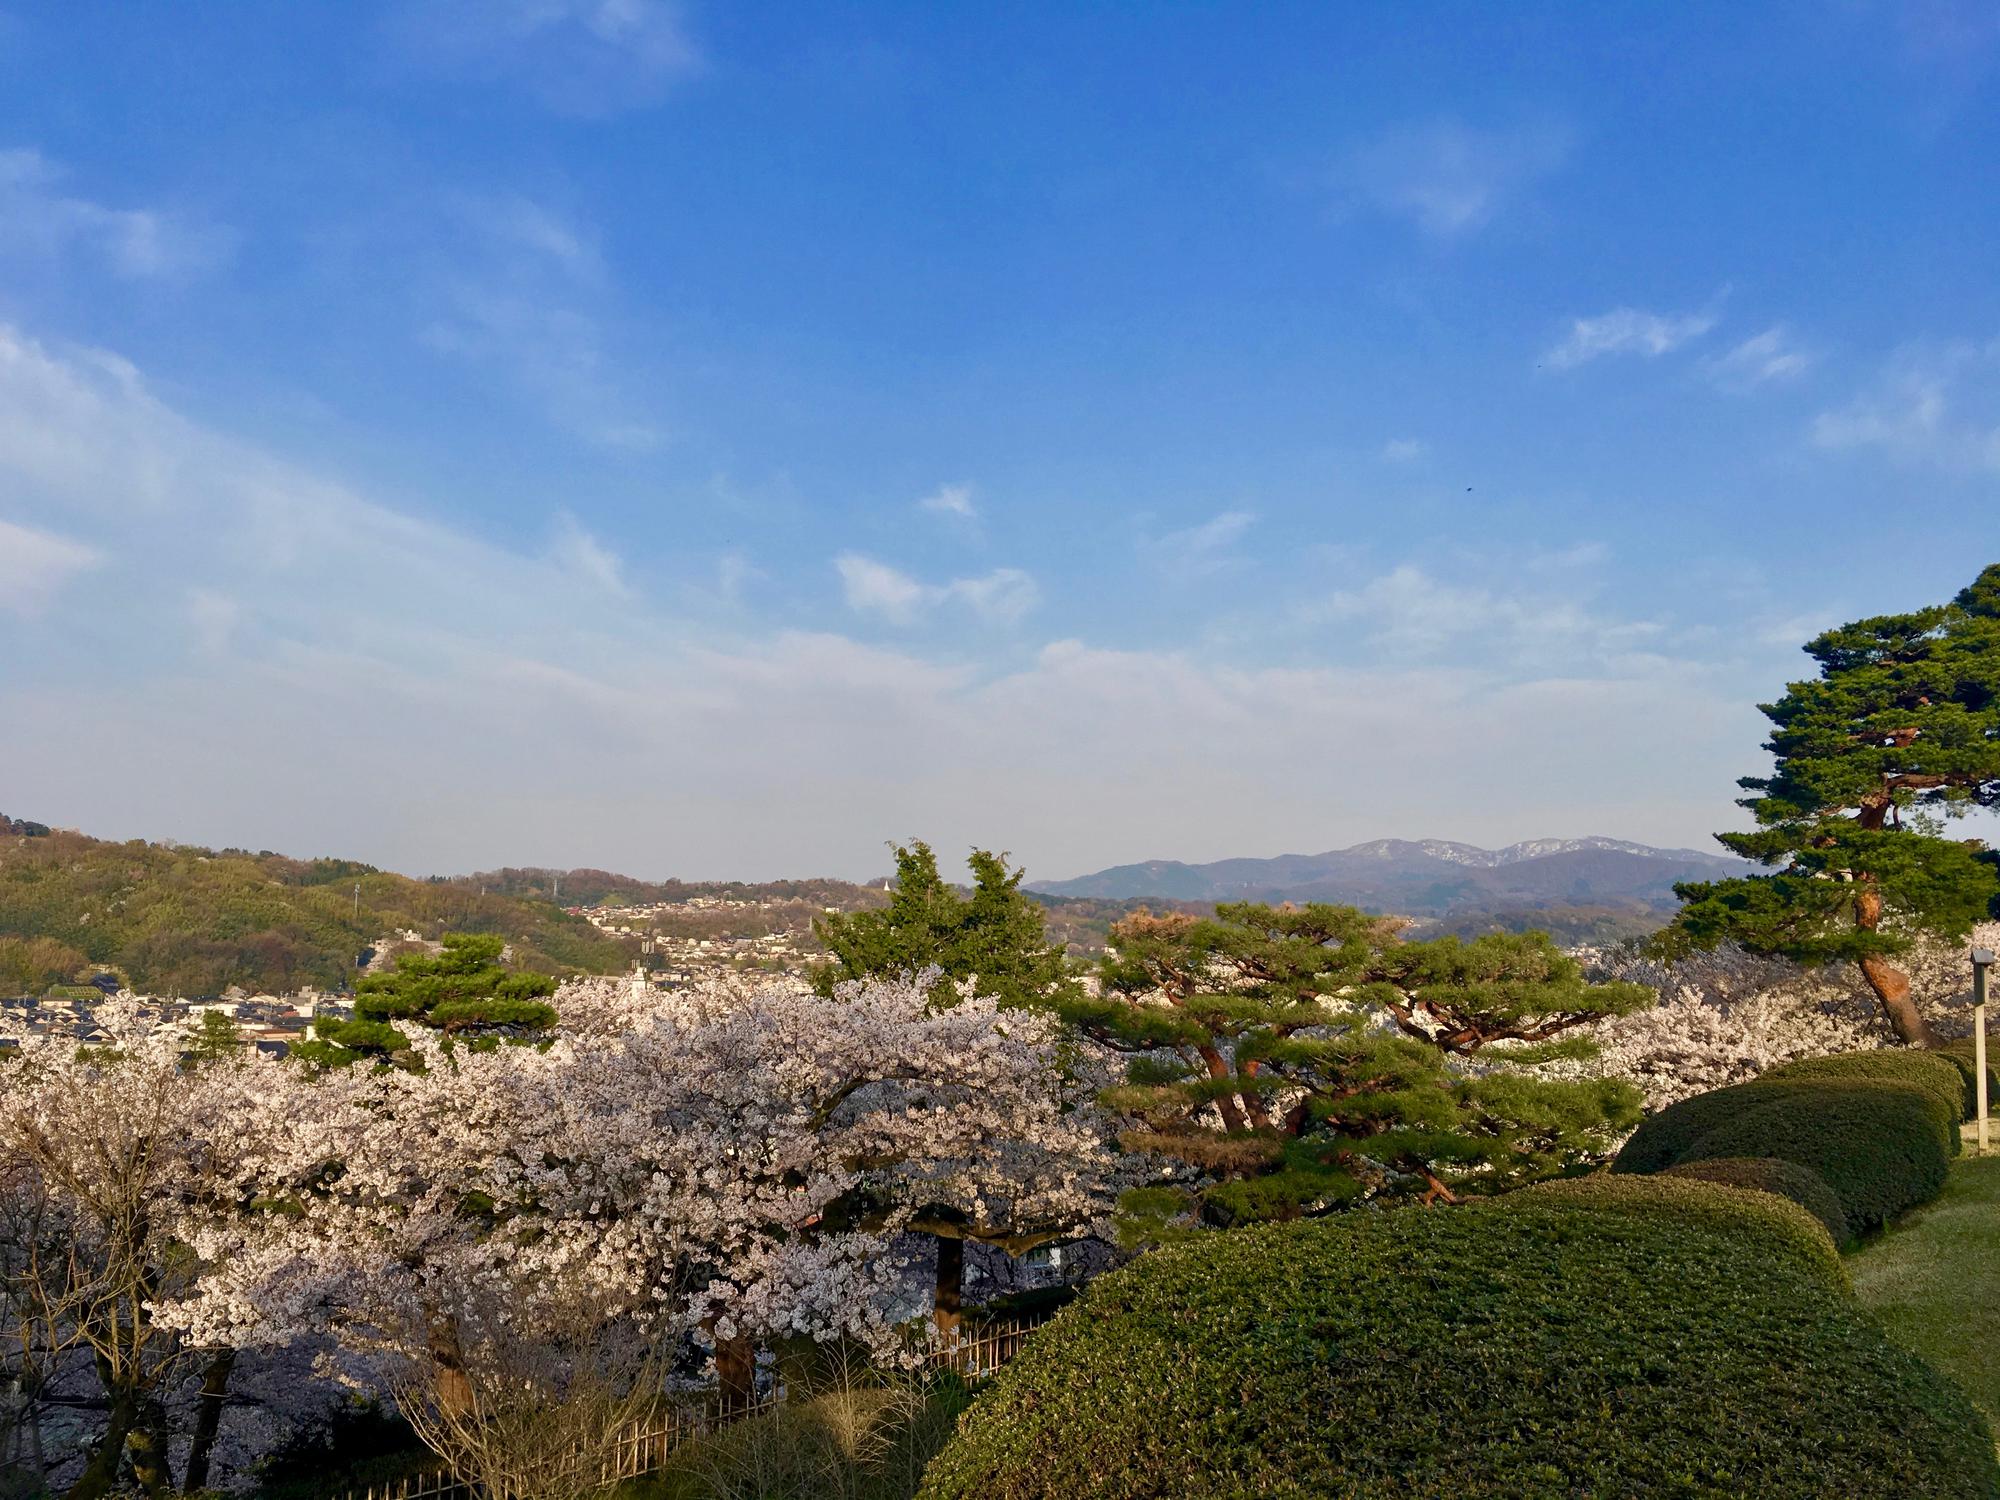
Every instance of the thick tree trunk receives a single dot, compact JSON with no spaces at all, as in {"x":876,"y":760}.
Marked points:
{"x":1890,"y":984}
{"x":147,"y":1446}
{"x":948,"y":1290}
{"x":453,"y":1386}
{"x":214,"y":1386}
{"x":736,"y":1372}
{"x":100,"y":1475}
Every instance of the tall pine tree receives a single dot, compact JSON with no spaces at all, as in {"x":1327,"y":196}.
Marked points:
{"x":1898,"y":734}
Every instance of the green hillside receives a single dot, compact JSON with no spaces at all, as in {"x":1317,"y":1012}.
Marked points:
{"x":182,"y":920}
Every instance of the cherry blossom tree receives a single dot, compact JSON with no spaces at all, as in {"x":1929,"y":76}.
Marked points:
{"x":106,"y":1153}
{"x":729,"y":1165}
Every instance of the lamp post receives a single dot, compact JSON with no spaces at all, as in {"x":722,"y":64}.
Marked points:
{"x":1982,"y":960}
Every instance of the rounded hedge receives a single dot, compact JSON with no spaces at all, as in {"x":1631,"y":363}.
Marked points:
{"x":1875,"y":1145}
{"x":1571,"y":1341}
{"x":1960,"y":1055}
{"x":1767,"y":1174}
{"x":1936,"y":1078}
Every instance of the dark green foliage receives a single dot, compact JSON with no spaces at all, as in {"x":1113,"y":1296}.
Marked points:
{"x":1880,"y":1144}
{"x":1260,"y":1058}
{"x":1902,"y":723}
{"x":181,"y":920}
{"x":1683,"y":1196}
{"x":1936,"y":1078}
{"x":1666,"y":1136}
{"x":993,"y":936}
{"x":1960,"y":1055}
{"x":463,"y":992}
{"x":1535,"y":1345}
{"x":1767,"y":1174}
{"x":1878,"y":1148}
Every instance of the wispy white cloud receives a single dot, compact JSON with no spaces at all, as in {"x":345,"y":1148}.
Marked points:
{"x":577,"y":57}
{"x":40,"y":218}
{"x":951,"y":500}
{"x":588,"y":559}
{"x":524,"y":304}
{"x":1403,"y":451}
{"x":1198,"y":551}
{"x":1537,"y":617}
{"x":1447,"y":178}
{"x":35,"y":565}
{"x":1627,"y":330}
{"x":331,"y":622}
{"x":1935,"y":407}
{"x":1761,"y":359}
{"x":871,"y":587}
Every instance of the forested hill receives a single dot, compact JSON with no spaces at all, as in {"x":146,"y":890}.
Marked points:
{"x":603,"y":888}
{"x":171,"y":918}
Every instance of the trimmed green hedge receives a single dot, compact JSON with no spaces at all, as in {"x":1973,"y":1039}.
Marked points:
{"x":1878,"y":1128}
{"x":1936,"y":1078}
{"x":1767,"y":1174}
{"x":1780,"y":1227}
{"x":1876,"y":1146}
{"x":1959,"y":1055}
{"x":1582,"y":1339}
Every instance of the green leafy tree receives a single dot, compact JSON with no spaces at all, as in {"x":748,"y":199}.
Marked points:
{"x":1294,"y":1060}
{"x":1899,"y":733}
{"x":993,"y":937}
{"x":463,"y":992}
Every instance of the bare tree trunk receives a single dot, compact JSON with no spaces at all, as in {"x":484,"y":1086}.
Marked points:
{"x":100,"y":1475}
{"x":736,"y":1372}
{"x":214,"y":1386}
{"x":146,"y":1444}
{"x":948,"y":1290}
{"x":1890,"y":984}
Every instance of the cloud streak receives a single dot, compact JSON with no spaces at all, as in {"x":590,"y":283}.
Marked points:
{"x":1626,"y":330}
{"x":1447,"y":178}
{"x":40,"y":219}
{"x":1001,"y":597}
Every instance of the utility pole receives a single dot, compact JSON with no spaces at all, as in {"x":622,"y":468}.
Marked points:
{"x":1982,"y":960}
{"x":357,"y":901}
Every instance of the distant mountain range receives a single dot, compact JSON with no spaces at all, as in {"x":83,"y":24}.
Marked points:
{"x":1593,"y":883}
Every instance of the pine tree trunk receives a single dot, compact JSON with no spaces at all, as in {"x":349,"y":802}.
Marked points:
{"x":1890,"y":984}
{"x":949,"y":1288}
{"x":214,"y":1385}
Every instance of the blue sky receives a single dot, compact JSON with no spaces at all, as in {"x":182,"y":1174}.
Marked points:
{"x":714,"y":440}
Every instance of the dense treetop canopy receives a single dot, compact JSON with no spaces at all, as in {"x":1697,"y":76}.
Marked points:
{"x":1898,"y":733}
{"x":1302,"y":1058}
{"x":992,"y":936}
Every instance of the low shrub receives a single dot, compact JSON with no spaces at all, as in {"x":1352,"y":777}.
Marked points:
{"x":1665,"y":1137}
{"x":1767,"y":1174}
{"x":1960,"y":1055}
{"x":1772,"y":1225}
{"x":1876,"y":1146}
{"x":1631,"y":1338}
{"x":1936,"y":1078}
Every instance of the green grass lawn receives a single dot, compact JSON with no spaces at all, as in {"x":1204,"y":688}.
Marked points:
{"x":1934,"y":1280}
